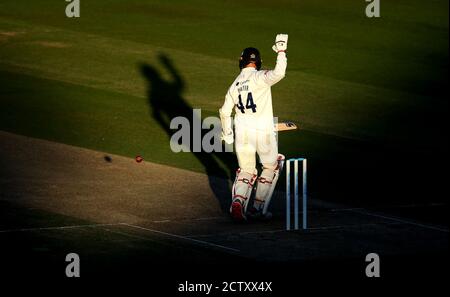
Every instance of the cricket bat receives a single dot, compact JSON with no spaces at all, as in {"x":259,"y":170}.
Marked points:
{"x":285,"y":126}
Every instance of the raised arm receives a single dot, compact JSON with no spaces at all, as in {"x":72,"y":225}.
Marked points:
{"x":271,"y":77}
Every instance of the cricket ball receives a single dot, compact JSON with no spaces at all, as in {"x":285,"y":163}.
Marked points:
{"x":139,"y":159}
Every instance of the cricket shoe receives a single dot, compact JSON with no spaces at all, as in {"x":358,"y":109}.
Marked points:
{"x":237,"y":210}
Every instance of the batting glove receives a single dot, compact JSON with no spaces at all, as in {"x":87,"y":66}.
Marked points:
{"x":280,"y":43}
{"x":228,"y":138}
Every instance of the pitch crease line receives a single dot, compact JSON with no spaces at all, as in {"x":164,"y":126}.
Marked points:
{"x":400,"y":220}
{"x":182,"y":237}
{"x":57,"y":228}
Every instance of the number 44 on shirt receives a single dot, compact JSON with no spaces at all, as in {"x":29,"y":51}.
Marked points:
{"x":248,"y":105}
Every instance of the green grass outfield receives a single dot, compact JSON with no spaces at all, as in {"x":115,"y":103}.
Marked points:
{"x":77,"y":81}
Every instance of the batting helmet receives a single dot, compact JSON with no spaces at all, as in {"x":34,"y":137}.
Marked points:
{"x":250,"y":55}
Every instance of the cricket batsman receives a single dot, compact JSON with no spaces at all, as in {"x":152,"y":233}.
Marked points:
{"x":254,"y":131}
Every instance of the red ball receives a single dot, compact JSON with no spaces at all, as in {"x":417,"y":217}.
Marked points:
{"x":139,"y":159}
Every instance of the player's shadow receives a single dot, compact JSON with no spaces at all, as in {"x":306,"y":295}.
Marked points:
{"x":166,"y":102}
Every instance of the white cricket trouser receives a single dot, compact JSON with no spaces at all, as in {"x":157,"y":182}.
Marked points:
{"x":250,"y":142}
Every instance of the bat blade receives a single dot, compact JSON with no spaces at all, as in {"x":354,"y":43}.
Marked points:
{"x":285,"y":126}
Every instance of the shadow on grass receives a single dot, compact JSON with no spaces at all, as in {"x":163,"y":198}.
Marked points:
{"x":166,"y":101}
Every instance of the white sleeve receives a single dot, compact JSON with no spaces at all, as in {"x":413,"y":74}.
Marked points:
{"x":225,"y":113}
{"x":271,"y":77}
